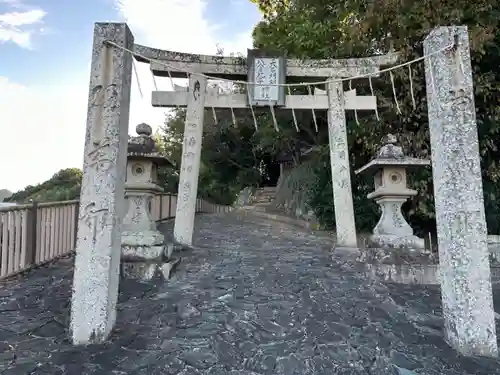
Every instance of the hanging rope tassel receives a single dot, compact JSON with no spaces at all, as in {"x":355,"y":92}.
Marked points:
{"x":136,"y":73}
{"x":312,"y":110}
{"x":394,"y":93}
{"x":253,"y":114}
{"x":410,"y":76}
{"x":214,"y":114}
{"x":276,"y":127}
{"x":293,"y":112}
{"x":171,"y":80}
{"x":372,"y":94}
{"x":355,"y":111}
{"x":235,"y":124}
{"x":154,"y":81}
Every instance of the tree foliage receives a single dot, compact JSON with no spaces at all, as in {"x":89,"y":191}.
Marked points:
{"x":64,"y":185}
{"x":4,"y":193}
{"x":229,"y":160}
{"x":323,"y":29}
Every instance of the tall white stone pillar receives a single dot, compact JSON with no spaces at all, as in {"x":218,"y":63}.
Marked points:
{"x":190,"y":164}
{"x":458,"y":195}
{"x":341,"y":172}
{"x":95,"y":285}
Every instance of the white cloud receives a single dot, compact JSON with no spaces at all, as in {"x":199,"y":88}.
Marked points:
{"x":17,"y":27}
{"x":42,"y":131}
{"x":43,"y":127}
{"x":176,"y":25}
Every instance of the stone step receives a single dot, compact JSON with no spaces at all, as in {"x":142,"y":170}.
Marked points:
{"x":265,"y":193}
{"x":263,"y":201}
{"x":270,"y":196}
{"x":266,"y":188}
{"x":262,"y":204}
{"x":261,"y":208}
{"x":260,"y":212}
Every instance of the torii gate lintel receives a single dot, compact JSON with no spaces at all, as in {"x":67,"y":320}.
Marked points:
{"x":267,"y":71}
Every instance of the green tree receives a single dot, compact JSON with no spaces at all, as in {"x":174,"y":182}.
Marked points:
{"x":229,"y":159}
{"x":4,"y":193}
{"x":323,"y":29}
{"x":64,"y":185}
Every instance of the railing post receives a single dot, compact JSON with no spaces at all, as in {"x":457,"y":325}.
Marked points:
{"x":169,"y":205}
{"x":77,"y":211}
{"x":32,"y":222}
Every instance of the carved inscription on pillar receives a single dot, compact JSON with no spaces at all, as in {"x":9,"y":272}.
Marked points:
{"x":190,"y":164}
{"x":468,"y":313}
{"x":341,"y":179}
{"x":100,"y":156}
{"x":95,"y":219}
{"x":102,"y":99}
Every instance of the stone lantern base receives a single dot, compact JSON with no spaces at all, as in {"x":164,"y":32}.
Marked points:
{"x":392,"y":231}
{"x":148,"y":270}
{"x":391,"y":241}
{"x":147,"y":262}
{"x":400,"y":265}
{"x":145,"y":253}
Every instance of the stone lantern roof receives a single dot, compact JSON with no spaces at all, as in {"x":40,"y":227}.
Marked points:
{"x":143,"y":146}
{"x":391,"y":155}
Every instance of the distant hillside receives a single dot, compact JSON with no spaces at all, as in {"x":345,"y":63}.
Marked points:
{"x":4,"y":193}
{"x":64,"y":185}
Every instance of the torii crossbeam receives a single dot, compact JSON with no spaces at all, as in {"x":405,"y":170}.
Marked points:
{"x":198,"y":96}
{"x":216,"y":99}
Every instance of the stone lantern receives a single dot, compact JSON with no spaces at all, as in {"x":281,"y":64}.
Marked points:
{"x":144,"y":252}
{"x":391,"y":191}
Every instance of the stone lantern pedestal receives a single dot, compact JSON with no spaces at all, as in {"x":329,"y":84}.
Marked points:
{"x":392,"y":241}
{"x":144,"y":252}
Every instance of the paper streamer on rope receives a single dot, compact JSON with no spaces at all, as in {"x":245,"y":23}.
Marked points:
{"x":232,"y":90}
{"x":394,"y":92}
{"x":410,"y":76}
{"x":431,"y":76}
{"x":214,"y":114}
{"x":273,"y":115}
{"x":154,"y":80}
{"x":137,"y":78}
{"x":355,"y":111}
{"x":372,"y":94}
{"x":293,"y":113}
{"x":253,"y":116}
{"x":235,"y":124}
{"x":171,"y":80}
{"x":312,"y":110}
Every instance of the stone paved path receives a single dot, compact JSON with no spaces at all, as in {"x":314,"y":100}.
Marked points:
{"x":251,"y":298}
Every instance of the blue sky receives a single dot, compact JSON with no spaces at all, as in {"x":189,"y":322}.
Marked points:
{"x":44,"y":68}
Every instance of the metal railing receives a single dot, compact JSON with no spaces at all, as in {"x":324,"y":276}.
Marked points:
{"x":34,"y":234}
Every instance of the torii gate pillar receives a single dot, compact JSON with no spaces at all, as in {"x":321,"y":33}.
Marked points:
{"x":190,"y":164}
{"x":341,"y":171}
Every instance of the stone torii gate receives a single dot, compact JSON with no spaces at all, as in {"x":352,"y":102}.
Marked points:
{"x":265,"y":70}
{"x":465,"y":275}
